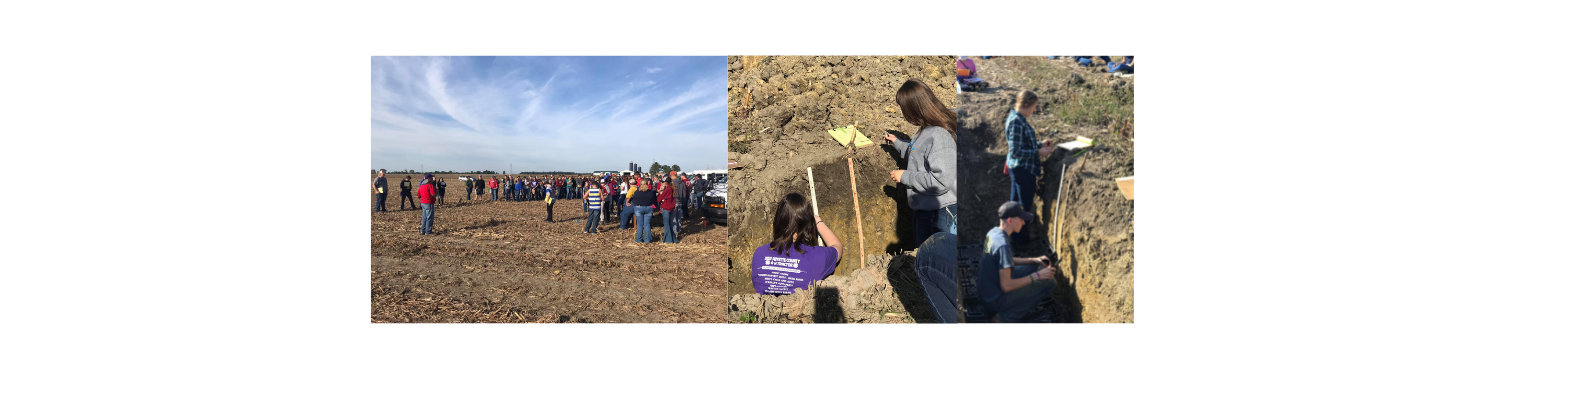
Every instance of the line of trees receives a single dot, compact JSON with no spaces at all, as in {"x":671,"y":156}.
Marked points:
{"x":657,"y":168}
{"x":483,"y":172}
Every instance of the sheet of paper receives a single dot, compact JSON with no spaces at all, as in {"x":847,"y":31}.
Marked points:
{"x":845,"y":134}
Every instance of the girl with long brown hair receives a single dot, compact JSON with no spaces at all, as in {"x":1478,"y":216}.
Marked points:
{"x":931,"y":174}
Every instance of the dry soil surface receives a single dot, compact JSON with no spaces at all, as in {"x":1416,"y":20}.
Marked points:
{"x":500,"y":262}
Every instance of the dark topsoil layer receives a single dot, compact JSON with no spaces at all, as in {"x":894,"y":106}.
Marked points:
{"x":780,"y":109}
{"x":1096,"y":242}
{"x":500,"y":262}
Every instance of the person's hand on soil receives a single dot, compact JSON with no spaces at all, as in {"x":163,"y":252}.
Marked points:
{"x":890,"y":138}
{"x":896,"y":176}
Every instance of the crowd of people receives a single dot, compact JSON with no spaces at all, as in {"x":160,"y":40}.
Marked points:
{"x":632,"y":199}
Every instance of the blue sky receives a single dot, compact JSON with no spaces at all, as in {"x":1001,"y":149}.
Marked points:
{"x":577,"y":114}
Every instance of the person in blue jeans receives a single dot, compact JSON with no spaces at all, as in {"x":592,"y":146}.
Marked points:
{"x":426,"y":199}
{"x":931,"y":173}
{"x":1085,"y":60}
{"x":697,"y":199}
{"x":1011,"y":287}
{"x":936,"y":265}
{"x":668,"y":218}
{"x":1024,"y":153}
{"x":591,"y":202}
{"x":626,"y":214}
{"x":642,"y":206}
{"x":380,"y":191}
{"x":1125,"y":66}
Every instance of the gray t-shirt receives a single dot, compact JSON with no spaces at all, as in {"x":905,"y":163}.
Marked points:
{"x":379,"y":182}
{"x":997,"y":255}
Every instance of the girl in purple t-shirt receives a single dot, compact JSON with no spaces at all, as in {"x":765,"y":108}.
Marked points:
{"x":791,"y":260}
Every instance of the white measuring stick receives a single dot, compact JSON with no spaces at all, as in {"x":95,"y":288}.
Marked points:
{"x":1061,"y":187}
{"x":814,"y":200}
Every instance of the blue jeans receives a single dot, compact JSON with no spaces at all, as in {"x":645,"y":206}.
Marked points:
{"x":1119,"y":66}
{"x":470,"y":193}
{"x":593,"y":221}
{"x":494,"y":194}
{"x":937,"y":271}
{"x":929,"y":222}
{"x":379,"y":202}
{"x":643,"y":234}
{"x":626,"y":214}
{"x":426,"y":227}
{"x":1023,"y":192}
{"x":1014,"y":306}
{"x":669,"y":219}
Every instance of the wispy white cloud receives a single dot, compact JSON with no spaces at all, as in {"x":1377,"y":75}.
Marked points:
{"x":546,"y":113}
{"x":653,"y":70}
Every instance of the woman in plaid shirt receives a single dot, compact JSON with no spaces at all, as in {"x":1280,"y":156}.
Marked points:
{"x":1023,"y":154}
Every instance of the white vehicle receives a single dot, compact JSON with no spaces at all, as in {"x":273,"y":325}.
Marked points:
{"x":715,"y":199}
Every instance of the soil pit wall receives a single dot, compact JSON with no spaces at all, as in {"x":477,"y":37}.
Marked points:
{"x":1096,"y":238}
{"x":781,"y":108}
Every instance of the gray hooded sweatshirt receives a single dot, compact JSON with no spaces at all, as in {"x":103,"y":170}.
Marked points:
{"x":931,"y":175}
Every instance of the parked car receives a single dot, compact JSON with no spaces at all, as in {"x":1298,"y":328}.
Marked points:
{"x":715,"y":201}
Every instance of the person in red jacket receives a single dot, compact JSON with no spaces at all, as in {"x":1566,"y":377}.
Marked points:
{"x":426,"y":200}
{"x":667,"y":216}
{"x":494,"y":186}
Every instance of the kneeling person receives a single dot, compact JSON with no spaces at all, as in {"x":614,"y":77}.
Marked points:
{"x":1011,"y":286}
{"x":791,"y":260}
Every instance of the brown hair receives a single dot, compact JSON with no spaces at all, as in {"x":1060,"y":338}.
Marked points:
{"x":1025,"y":98}
{"x":794,"y":216}
{"x":920,"y":107}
